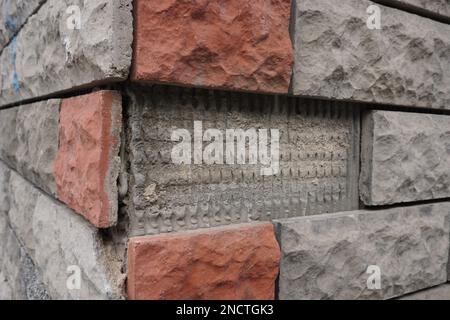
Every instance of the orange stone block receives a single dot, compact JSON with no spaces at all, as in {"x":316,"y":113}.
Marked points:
{"x":87,"y":164}
{"x":236,"y":262}
{"x":232,"y":44}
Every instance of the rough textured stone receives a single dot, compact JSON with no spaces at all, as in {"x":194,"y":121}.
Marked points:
{"x":14,"y":14}
{"x":431,"y":8}
{"x":235,"y":44}
{"x":238,"y":262}
{"x":56,"y":238}
{"x":29,"y":141}
{"x":441,"y":292}
{"x":11,"y":285}
{"x":19,"y":278}
{"x":46,"y":57}
{"x":339,"y":57}
{"x":405,"y":157}
{"x":87,"y":165}
{"x":327,"y":257}
{"x":318,"y":171}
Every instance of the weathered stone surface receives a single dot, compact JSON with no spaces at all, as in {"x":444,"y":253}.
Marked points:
{"x":339,"y":57}
{"x":327,"y":257}
{"x":14,"y":13}
{"x":235,"y":44}
{"x":88,"y":164}
{"x":239,"y":262}
{"x":405,"y":157}
{"x":19,"y":278}
{"x":11,"y":285}
{"x":4,"y":179}
{"x":56,"y":239}
{"x":47,"y":57}
{"x":29,"y":141}
{"x":432,"y":8}
{"x":441,"y":292}
{"x":318,"y":163}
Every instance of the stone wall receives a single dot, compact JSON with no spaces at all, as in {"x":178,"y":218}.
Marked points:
{"x":242,"y":149}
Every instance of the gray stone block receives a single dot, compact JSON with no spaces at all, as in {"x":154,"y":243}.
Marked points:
{"x":11,"y":286}
{"x":405,"y":157}
{"x":29,"y":143}
{"x":441,"y":292}
{"x":328,"y":256}
{"x":57,"y":238}
{"x":338,"y":57}
{"x":19,"y":278}
{"x":14,"y":14}
{"x":318,"y":171}
{"x":48,"y":57}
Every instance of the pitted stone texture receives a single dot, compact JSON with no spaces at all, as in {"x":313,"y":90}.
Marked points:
{"x":56,"y":238}
{"x":405,"y":157}
{"x":327,"y":257}
{"x":87,"y":165}
{"x":11,"y":284}
{"x":19,"y":278}
{"x":432,"y":8}
{"x":4,"y":188}
{"x":318,"y":171}
{"x":14,"y":14}
{"x":238,"y":262}
{"x":339,"y":57}
{"x":29,"y":141}
{"x":441,"y":292}
{"x":47,"y":57}
{"x":235,"y":44}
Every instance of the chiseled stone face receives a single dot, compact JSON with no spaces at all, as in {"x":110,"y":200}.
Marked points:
{"x":29,"y":141}
{"x":87,"y":164}
{"x":405,"y":157}
{"x":318,"y":160}
{"x":51,"y":55}
{"x":233,"y":44}
{"x":328,"y":256}
{"x":227,"y":263}
{"x":14,"y":13}
{"x":338,"y":57}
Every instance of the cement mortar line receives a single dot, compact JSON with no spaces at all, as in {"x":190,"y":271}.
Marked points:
{"x":57,"y":201}
{"x":395,"y":4}
{"x":376,"y":208}
{"x":121,"y":86}
{"x":71,"y":93}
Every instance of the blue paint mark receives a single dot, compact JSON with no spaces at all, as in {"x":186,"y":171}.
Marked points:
{"x":15,"y":80}
{"x":10,"y":21}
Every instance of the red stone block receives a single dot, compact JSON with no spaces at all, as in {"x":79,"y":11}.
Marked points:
{"x":237,"y":262}
{"x":87,"y":164}
{"x":228,"y":44}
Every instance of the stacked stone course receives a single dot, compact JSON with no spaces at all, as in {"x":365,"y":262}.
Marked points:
{"x":89,"y":188}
